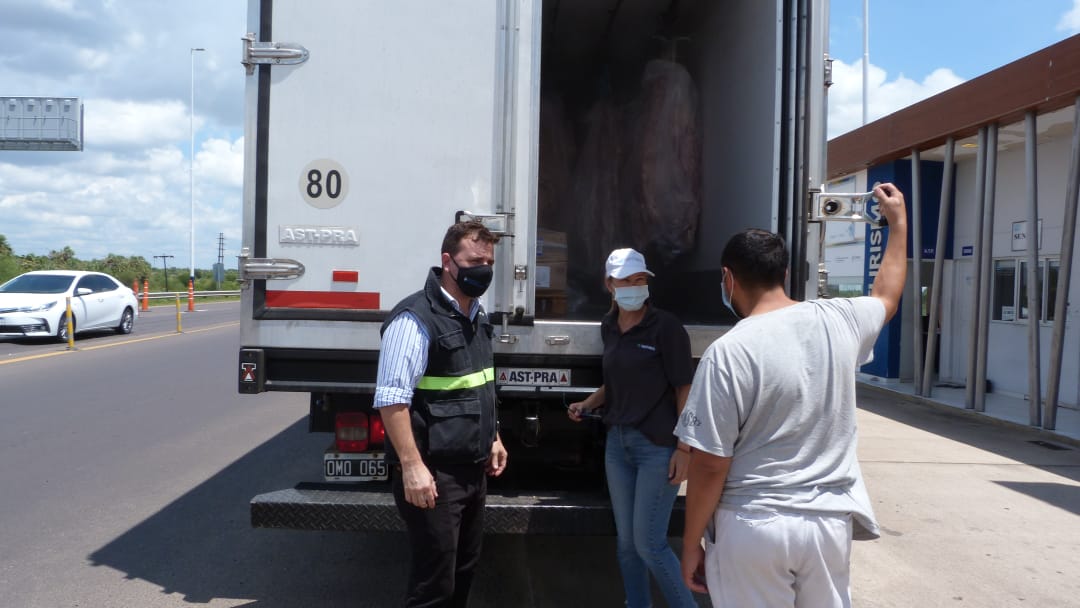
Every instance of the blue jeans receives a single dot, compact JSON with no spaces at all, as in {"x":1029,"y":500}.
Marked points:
{"x":641,"y":498}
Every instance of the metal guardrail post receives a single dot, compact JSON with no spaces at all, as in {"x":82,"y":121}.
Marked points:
{"x":986,"y":268}
{"x":1034,"y":286}
{"x":939,"y":262}
{"x":1068,"y":234}
{"x":980,"y":250}
{"x":916,"y":268}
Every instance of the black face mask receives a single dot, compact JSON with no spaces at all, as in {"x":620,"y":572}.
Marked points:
{"x":473,"y":281}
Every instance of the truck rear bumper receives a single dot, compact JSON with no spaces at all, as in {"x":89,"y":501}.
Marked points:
{"x":332,"y":507}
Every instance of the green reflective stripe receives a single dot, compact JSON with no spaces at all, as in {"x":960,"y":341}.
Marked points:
{"x":454,"y":383}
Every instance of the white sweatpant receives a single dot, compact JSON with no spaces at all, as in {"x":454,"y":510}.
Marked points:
{"x":777,"y":560}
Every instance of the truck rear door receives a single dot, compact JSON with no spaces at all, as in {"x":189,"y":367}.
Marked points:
{"x":370,"y":125}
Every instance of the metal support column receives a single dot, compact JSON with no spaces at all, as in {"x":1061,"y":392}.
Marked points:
{"x":973,"y":334}
{"x":1034,"y":287}
{"x":916,"y":268}
{"x":985,"y":268}
{"x":939,"y":262}
{"x":1068,"y":234}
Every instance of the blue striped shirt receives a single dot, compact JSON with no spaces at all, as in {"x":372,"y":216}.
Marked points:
{"x":403,"y":355}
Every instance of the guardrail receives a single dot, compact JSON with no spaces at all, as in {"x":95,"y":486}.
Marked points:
{"x":171,"y":295}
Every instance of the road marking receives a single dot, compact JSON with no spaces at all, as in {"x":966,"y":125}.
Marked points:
{"x":112,"y":344}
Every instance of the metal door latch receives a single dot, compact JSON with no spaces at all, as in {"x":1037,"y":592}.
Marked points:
{"x":845,"y":207}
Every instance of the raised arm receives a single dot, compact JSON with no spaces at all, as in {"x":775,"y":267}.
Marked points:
{"x":889,"y":283}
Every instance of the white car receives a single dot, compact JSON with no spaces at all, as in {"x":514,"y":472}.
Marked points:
{"x":35,"y":304}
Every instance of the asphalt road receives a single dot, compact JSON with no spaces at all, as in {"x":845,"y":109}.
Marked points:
{"x":127,"y":465}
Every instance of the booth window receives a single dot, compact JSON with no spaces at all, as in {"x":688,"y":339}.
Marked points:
{"x":1010,"y":300}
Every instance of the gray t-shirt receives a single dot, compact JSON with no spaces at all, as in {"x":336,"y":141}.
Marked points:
{"x":777,"y":394}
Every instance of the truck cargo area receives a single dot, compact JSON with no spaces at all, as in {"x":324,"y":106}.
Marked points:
{"x":658,"y":131}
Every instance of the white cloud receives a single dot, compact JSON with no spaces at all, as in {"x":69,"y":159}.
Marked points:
{"x":93,"y":59}
{"x":144,"y":123}
{"x":221,"y":161}
{"x":885,"y":96}
{"x":1070,"y":21}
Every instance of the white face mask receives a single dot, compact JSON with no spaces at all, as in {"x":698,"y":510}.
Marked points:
{"x":631,"y":298}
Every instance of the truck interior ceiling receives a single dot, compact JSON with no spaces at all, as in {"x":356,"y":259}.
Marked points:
{"x":658,"y":132}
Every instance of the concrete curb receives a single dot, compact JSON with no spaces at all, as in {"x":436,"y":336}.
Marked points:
{"x":966,"y":414}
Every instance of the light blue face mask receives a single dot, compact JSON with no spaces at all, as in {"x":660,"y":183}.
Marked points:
{"x":726,"y":297}
{"x":631,"y":298}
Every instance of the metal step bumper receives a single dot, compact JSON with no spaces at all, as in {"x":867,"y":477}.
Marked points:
{"x":333,"y":507}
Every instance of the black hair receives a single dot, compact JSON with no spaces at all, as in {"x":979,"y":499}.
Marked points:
{"x":757,"y":258}
{"x":471,"y":229}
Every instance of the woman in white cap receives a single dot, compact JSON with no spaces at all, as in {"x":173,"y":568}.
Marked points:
{"x":647,"y":373}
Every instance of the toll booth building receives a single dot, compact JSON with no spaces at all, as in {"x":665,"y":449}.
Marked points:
{"x":991,"y":317}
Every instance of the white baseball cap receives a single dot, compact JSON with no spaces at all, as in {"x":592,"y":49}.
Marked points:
{"x":626,"y":262}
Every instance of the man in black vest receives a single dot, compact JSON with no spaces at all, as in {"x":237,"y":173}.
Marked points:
{"x":436,"y":394}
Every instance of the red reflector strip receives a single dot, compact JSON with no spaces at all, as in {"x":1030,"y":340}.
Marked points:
{"x":323,"y":299}
{"x":346,"y":276}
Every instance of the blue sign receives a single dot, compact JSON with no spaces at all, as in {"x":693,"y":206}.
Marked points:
{"x":968,"y":250}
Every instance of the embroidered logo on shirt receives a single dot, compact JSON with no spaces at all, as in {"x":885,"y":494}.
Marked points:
{"x":647,"y":347}
{"x":690,"y":419}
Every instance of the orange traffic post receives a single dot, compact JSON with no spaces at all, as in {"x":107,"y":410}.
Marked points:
{"x":179,"y":329}
{"x":145,"y":295}
{"x":190,"y":295}
{"x":135,"y":288}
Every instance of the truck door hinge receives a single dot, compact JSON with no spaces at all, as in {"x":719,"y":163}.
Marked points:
{"x":272,"y":53}
{"x":250,"y":268}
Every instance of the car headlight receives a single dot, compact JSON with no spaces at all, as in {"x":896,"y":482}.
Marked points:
{"x":37,"y":307}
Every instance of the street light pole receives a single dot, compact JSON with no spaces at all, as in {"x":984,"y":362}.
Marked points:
{"x":191,"y":162}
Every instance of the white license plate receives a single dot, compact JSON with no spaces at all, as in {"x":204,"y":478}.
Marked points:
{"x":531,"y":376}
{"x":355,"y":467}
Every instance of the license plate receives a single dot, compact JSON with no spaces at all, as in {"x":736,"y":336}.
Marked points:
{"x":532,"y":376}
{"x":355,"y":467}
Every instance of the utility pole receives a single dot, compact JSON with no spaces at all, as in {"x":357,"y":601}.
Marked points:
{"x":165,"y":265}
{"x":219,"y":268}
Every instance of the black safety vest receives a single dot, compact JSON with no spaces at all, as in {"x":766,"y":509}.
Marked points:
{"x":453,"y":407}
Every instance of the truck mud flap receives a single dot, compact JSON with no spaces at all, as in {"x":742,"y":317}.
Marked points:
{"x":331,"y":507}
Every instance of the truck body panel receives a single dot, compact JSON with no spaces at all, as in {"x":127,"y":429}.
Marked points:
{"x":401,"y":118}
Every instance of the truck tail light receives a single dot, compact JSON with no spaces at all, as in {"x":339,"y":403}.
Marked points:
{"x":376,"y":430}
{"x":351,"y":432}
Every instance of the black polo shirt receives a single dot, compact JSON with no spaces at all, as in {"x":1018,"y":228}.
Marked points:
{"x":641,"y":370}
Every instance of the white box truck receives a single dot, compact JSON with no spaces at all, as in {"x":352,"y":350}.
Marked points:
{"x":569,"y":127}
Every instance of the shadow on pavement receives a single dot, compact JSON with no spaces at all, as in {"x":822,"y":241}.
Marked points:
{"x":1060,"y":495}
{"x":1028,"y":446}
{"x":202,"y":547}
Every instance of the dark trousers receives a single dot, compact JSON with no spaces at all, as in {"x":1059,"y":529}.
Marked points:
{"x":446,"y":540}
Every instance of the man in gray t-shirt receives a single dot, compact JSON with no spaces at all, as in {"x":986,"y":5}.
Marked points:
{"x":775,"y":489}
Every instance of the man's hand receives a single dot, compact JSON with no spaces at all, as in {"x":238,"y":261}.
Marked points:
{"x":693,"y":567}
{"x":574,"y":410}
{"x":891,"y":204}
{"x":420,"y":490}
{"x":678,"y":466}
{"x":496,"y":463}
{"x":892,"y":272}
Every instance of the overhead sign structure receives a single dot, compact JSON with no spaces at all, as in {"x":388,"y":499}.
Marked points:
{"x":41,"y":124}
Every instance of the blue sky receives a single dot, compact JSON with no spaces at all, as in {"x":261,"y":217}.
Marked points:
{"x":127,"y":192}
{"x":921,"y":47}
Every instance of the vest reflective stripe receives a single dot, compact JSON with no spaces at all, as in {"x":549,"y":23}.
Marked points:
{"x":455,"y":383}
